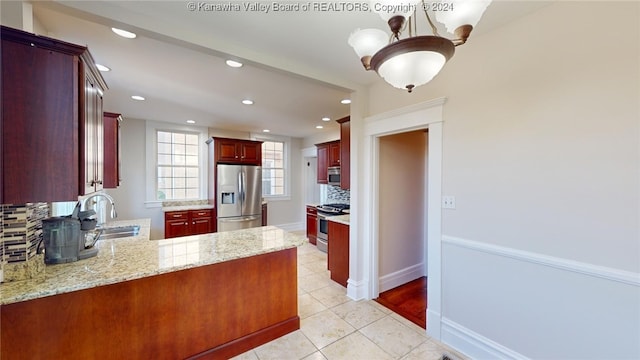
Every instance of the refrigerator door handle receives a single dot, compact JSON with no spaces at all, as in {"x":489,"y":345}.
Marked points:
{"x":243,"y":175}
{"x":246,"y":218}
{"x":240,"y":188}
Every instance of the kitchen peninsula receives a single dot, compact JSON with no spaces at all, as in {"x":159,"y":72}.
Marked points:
{"x":203,"y":296}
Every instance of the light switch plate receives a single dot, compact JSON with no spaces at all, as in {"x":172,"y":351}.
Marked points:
{"x":448,"y":202}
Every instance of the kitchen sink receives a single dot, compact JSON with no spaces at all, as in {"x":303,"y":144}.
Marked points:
{"x":119,"y":231}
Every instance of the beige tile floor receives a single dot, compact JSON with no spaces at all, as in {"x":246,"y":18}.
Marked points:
{"x":332,"y":326}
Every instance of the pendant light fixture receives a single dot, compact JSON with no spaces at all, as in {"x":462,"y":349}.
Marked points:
{"x":414,"y":60}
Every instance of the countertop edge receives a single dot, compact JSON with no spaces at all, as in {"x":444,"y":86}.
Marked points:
{"x":40,"y":288}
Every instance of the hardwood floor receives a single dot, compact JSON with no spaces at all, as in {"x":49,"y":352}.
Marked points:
{"x":408,"y":300}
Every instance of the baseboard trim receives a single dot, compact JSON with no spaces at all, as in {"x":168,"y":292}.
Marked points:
{"x":357,"y":290}
{"x":291,"y":226}
{"x":401,"y":277}
{"x":473,"y":344}
{"x":246,"y":343}
{"x":434,"y":324}
{"x":623,"y":276}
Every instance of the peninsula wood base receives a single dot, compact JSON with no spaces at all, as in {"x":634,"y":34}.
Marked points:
{"x":214,"y":311}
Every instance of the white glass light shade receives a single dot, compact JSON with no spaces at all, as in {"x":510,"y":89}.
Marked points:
{"x":464,"y":12}
{"x":412,"y":68}
{"x":390,"y":8}
{"x":367,"y":42}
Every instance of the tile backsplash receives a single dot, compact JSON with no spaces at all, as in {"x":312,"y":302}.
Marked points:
{"x":20,"y":235}
{"x":336,"y":195}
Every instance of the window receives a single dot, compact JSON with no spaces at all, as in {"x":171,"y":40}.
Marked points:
{"x":177,"y":171}
{"x":273,"y":168}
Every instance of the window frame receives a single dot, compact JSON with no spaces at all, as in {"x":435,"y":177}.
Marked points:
{"x":286,"y":153}
{"x":151,"y":158}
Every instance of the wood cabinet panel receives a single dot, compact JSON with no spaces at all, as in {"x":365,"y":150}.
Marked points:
{"x":338,"y":252}
{"x":323,"y":163}
{"x":236,"y":151}
{"x":44,"y":108}
{"x":312,"y":224}
{"x":112,"y":150}
{"x":334,"y":153}
{"x":328,"y":155}
{"x":201,"y":221}
{"x":40,"y":153}
{"x":188,"y":222}
{"x":201,"y":312}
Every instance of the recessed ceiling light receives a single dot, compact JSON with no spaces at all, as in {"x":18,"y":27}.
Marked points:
{"x":319,"y":127}
{"x":137,"y":97}
{"x":247,"y":102}
{"x":124,"y":33}
{"x":345,"y":101}
{"x":266,"y":130}
{"x":191,"y":121}
{"x":234,"y":63}
{"x":326,"y":119}
{"x":102,"y":67}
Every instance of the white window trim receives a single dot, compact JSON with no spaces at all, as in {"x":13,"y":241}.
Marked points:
{"x":151,"y":158}
{"x":287,"y":164}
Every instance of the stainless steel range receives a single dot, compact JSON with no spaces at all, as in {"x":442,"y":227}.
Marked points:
{"x":325,"y":211}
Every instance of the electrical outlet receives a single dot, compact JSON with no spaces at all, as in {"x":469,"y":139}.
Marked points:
{"x":449,"y":202}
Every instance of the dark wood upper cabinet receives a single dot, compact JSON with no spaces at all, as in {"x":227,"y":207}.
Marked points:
{"x":44,"y":109}
{"x":112,"y":150}
{"x":236,"y":151}
{"x":345,"y":152}
{"x":328,"y":155}
{"x":323,"y":163}
{"x":334,"y":153}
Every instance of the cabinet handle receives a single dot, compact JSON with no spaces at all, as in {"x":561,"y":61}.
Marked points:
{"x":99,"y":182}
{"x":201,"y":213}
{"x":236,"y":156}
{"x":177,"y":216}
{"x":186,"y":223}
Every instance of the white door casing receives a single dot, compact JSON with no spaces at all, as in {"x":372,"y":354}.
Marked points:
{"x":364,"y":260}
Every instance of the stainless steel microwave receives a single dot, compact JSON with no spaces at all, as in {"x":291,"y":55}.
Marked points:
{"x":333,"y":175}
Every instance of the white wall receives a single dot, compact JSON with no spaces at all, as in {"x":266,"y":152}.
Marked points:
{"x":402,"y":192}
{"x":130,"y":196}
{"x":541,"y":257}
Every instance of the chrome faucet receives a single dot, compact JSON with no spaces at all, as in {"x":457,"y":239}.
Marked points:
{"x":82,"y":204}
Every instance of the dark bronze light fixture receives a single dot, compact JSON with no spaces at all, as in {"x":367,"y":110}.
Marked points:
{"x":416,"y":59}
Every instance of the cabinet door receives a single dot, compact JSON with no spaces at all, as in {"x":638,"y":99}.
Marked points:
{"x":312,"y":228}
{"x":112,"y":176}
{"x":251,"y":153}
{"x":334,"y":154}
{"x":338,"y":252}
{"x":201,"y":221}
{"x":39,"y":127}
{"x":227,"y":151}
{"x":92,"y":125}
{"x":323,"y":163}
{"x":176,"y":223}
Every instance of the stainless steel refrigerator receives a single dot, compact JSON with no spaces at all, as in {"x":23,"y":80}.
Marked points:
{"x":239,"y":196}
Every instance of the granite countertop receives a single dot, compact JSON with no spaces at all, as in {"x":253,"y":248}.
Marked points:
{"x":136,"y":257}
{"x":342,"y":219}
{"x":187,"y":207}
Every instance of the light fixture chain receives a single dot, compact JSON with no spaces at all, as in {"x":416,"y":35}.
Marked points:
{"x":433,"y":27}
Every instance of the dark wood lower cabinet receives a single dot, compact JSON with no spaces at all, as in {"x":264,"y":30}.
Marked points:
{"x":211,"y":312}
{"x":312,"y":224}
{"x":338,"y":252}
{"x":188,"y":222}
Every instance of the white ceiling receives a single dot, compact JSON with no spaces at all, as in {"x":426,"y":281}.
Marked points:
{"x":298,"y":65}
